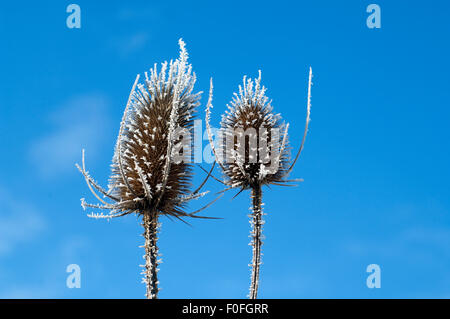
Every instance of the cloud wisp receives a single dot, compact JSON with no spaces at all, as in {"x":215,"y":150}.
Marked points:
{"x":78,"y":123}
{"x":20,"y":222}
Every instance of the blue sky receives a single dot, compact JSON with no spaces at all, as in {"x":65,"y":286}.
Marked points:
{"x":375,"y":164}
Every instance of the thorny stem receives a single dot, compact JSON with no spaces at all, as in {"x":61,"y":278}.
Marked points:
{"x":150,"y":272}
{"x":256,"y":236}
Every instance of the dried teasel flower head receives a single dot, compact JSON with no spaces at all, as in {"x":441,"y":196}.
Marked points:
{"x":249,"y":123}
{"x":252,"y":144}
{"x":143,"y":165}
{"x":145,"y":175}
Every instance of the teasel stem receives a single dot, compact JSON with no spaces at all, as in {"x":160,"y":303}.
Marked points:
{"x":256,"y":235}
{"x":150,"y":272}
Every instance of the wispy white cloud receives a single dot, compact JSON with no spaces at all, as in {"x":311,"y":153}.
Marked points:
{"x":407,"y":231}
{"x":131,"y":42}
{"x":20,"y":222}
{"x":147,"y":13}
{"x":49,"y":281}
{"x":28,"y":292}
{"x":126,"y":45}
{"x":79,"y":123}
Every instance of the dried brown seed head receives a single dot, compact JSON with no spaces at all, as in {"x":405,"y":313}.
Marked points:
{"x":253,"y":138}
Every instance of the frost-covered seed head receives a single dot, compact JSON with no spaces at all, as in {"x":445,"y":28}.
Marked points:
{"x":253,"y":139}
{"x":142,"y":167}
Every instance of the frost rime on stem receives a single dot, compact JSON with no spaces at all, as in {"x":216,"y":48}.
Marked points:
{"x":256,"y":235}
{"x":150,"y":271}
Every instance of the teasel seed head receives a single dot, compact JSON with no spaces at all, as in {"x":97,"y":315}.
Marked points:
{"x":250,"y":120}
{"x":145,"y":178}
{"x":253,"y":143}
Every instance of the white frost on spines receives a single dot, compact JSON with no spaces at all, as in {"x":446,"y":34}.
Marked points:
{"x":180,"y":78}
{"x":252,"y":94}
{"x":209,"y":106}
{"x":175,"y":77}
{"x":83,"y":203}
{"x":145,"y":185}
{"x":151,"y":261}
{"x":257,"y":223}
{"x":99,"y":216}
{"x":186,"y":198}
